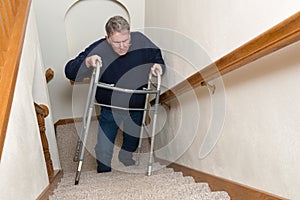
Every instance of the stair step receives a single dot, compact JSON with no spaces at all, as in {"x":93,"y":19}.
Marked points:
{"x":133,"y":191}
{"x":128,"y":194}
{"x":104,"y":181}
{"x":88,"y":174}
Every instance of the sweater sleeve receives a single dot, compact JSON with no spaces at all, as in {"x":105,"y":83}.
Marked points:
{"x":154,"y":55}
{"x":159,"y":59}
{"x":76,"y":69}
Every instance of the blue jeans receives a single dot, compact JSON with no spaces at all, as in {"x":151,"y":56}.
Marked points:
{"x":109,"y":124}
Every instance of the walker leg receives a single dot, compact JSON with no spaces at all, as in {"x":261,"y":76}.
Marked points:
{"x":78,"y":148}
{"x":138,"y":155}
{"x":83,"y":126}
{"x":153,"y":135}
{"x":151,"y":154}
{"x":84,"y":132}
{"x":86,"y":121}
{"x":149,"y":172}
{"x":137,"y":161}
{"x":79,"y":140}
{"x":78,"y":172}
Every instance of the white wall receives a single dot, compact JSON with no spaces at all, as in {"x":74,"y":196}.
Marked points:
{"x":23,"y":173}
{"x":254,"y":110}
{"x":66,"y":28}
{"x":259,"y":142}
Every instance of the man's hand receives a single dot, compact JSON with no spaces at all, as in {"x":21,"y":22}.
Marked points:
{"x":156,"y":67}
{"x":91,"y":61}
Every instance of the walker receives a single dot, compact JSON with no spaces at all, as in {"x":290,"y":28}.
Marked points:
{"x":94,"y":84}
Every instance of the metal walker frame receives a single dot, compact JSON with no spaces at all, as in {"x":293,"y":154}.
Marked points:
{"x":94,"y":84}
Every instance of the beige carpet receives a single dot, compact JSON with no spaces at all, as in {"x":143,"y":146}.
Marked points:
{"x":128,"y":183}
{"x":67,"y":136}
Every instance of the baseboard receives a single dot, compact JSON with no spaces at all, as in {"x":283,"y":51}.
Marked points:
{"x":71,"y":120}
{"x":236,"y":191}
{"x":58,"y":174}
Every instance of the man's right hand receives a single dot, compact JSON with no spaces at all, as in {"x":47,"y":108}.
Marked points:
{"x":91,"y":61}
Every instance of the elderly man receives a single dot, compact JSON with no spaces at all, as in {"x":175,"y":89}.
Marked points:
{"x":127,"y":58}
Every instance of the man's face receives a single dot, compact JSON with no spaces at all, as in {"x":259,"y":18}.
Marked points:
{"x":120,"y":42}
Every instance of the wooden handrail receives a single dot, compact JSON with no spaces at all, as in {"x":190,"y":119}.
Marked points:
{"x":49,"y":74}
{"x":281,"y":35}
{"x":13,"y":19}
{"x":42,"y":112}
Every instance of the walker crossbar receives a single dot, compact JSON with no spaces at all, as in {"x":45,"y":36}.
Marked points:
{"x":112,"y":87}
{"x":94,"y":84}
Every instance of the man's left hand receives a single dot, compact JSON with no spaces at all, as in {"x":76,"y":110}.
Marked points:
{"x":156,"y":67}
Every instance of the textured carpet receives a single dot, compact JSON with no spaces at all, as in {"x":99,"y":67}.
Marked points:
{"x":123,"y":182}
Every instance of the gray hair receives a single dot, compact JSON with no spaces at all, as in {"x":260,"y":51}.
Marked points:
{"x":116,"y":24}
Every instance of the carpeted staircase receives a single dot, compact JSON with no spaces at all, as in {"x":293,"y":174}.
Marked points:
{"x":123,"y":182}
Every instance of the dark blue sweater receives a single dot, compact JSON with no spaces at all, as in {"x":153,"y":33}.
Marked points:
{"x":128,"y":71}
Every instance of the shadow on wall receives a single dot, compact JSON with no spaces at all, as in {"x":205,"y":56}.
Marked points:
{"x":85,"y":21}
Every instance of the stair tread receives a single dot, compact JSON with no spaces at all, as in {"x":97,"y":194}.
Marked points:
{"x":200,"y":187}
{"x":173,"y":193}
{"x":115,"y":174}
{"x":133,"y":179}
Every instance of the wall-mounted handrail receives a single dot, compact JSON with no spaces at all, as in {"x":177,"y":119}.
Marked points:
{"x":281,"y":35}
{"x":13,"y":19}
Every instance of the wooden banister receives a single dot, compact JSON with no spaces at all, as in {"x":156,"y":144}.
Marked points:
{"x":42,"y":112}
{"x":281,"y":35}
{"x":13,"y":19}
{"x":49,"y":75}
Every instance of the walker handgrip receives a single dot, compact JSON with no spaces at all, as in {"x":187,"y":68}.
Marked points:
{"x":158,"y":78}
{"x":98,"y":66}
